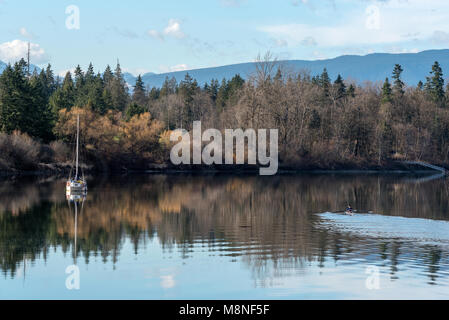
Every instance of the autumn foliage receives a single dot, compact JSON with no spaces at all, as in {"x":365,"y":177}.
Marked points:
{"x":112,"y":138}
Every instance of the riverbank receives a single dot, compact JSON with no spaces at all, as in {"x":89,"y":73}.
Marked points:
{"x":64,"y":169}
{"x":41,"y":170}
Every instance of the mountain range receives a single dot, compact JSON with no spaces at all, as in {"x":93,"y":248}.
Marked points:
{"x":372,"y":67}
{"x":32,"y":67}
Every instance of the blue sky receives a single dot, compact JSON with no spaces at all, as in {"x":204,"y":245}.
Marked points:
{"x":161,"y":36}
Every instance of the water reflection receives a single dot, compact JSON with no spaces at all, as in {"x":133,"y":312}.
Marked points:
{"x":267,"y":224}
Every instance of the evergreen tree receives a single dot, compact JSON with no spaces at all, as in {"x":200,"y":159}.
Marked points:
{"x":154,"y":94}
{"x":169,"y":86}
{"x":398,"y":85}
{"x":50,"y":82}
{"x":237,"y":82}
{"x":119,"y":91}
{"x":107,"y":98}
{"x":315,"y":120}
{"x":222,"y":95}
{"x":89,"y":77}
{"x":435,"y":84}
{"x":187,"y":89}
{"x":212,"y":89}
{"x":133,"y":109}
{"x":234,"y":86}
{"x":81,"y":91}
{"x":420,"y":85}
{"x":24,"y":102}
{"x":79,"y":77}
{"x":63,"y":97}
{"x":95,"y":101}
{"x":139,"y":95}
{"x":325,"y":82}
{"x":108,"y":76}
{"x":340,"y":86}
{"x":12,"y":104}
{"x":316,"y":80}
{"x":41,"y":117}
{"x":351,"y":91}
{"x":386,"y":92}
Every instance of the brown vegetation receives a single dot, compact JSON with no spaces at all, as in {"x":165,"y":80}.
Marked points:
{"x":322,"y":124}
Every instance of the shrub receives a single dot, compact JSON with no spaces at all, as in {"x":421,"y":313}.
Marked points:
{"x":19,"y":151}
{"x":61,"y":152}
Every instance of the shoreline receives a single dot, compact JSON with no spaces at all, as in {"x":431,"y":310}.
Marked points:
{"x":50,"y":171}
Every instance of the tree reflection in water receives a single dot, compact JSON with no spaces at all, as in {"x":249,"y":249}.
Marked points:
{"x":267,"y":223}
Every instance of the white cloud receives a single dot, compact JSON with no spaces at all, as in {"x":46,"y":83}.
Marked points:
{"x":63,"y":73}
{"x":15,"y":50}
{"x":137,"y":71}
{"x":174,"y":29}
{"x":308,"y":42}
{"x":280,"y":42}
{"x":329,"y":36}
{"x":155,"y":34}
{"x":398,"y":49}
{"x":25,"y":33}
{"x":440,"y":37}
{"x":178,"y":67}
{"x":401,"y":23}
{"x":319,"y":55}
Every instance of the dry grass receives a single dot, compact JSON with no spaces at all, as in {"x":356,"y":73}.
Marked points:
{"x":20,"y":152}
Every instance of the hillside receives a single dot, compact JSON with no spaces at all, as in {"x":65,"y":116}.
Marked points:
{"x":372,"y":67}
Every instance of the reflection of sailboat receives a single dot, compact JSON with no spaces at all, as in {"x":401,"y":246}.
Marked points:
{"x":76,"y":184}
{"x":76,"y":196}
{"x":79,"y":200}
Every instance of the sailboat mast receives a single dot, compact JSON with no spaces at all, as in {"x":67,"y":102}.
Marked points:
{"x":77,"y":144}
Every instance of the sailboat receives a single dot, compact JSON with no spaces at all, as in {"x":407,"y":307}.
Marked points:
{"x":76,"y":185}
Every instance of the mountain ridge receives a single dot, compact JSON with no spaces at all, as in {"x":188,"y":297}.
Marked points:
{"x":371,"y":67}
{"x":33,"y":67}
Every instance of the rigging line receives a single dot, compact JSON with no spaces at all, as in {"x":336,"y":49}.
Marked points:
{"x":82,"y":153}
{"x":77,"y":144}
{"x":72,"y":138}
{"x":76,"y":229}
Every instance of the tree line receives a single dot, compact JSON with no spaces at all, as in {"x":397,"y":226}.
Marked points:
{"x":322,"y":122}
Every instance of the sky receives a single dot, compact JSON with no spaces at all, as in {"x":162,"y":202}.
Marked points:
{"x":164,"y":36}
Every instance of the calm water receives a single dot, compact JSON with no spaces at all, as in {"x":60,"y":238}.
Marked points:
{"x":227,"y":237}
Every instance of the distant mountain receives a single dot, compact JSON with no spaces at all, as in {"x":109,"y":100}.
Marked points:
{"x":129,"y":78}
{"x":372,"y":67}
{"x":3,"y":66}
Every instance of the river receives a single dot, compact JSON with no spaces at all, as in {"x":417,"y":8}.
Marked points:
{"x":226,"y":237}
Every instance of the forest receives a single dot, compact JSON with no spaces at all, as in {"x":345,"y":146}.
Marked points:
{"x":323,"y":123}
